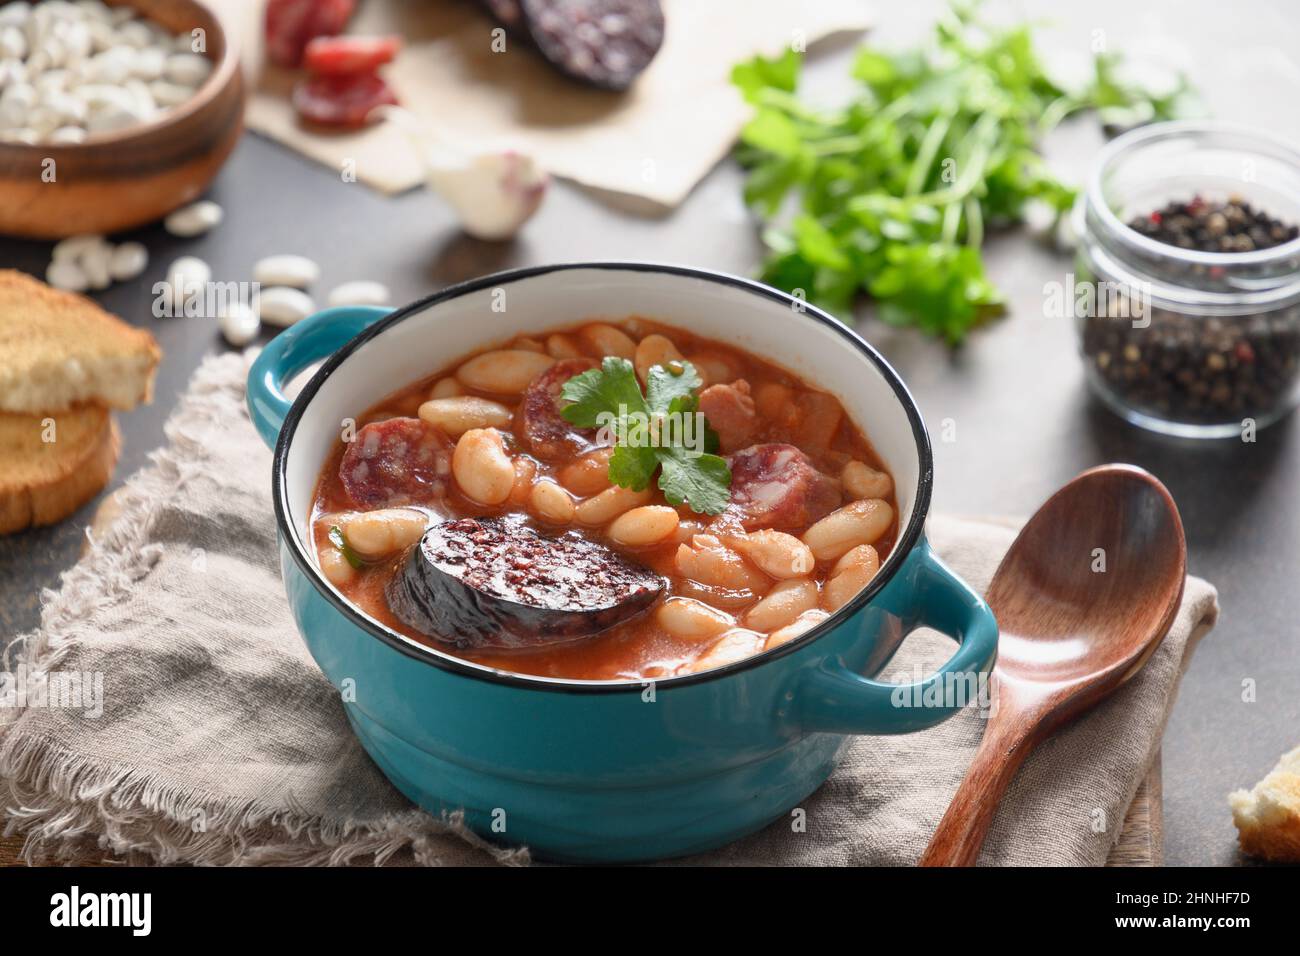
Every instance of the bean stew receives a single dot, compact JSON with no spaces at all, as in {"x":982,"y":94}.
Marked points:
{"x":481,"y":512}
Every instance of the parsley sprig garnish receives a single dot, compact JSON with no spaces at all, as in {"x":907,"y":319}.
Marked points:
{"x":611,"y":396}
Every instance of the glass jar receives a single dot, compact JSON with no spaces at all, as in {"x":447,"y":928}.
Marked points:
{"x":1190,"y":343}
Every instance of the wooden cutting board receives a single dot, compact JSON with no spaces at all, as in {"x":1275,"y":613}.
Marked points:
{"x":1141,"y":842}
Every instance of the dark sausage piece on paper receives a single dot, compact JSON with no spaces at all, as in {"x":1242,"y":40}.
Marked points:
{"x":495,"y":582}
{"x":398,"y":461}
{"x":549,"y":435}
{"x":775,"y":485}
{"x":606,"y":43}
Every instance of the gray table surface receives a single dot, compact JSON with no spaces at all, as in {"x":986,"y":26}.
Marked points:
{"x":1024,"y":422}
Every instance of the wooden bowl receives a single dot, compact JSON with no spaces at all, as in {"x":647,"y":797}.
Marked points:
{"x":117,"y":180}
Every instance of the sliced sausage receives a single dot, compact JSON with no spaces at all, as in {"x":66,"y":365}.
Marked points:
{"x":495,"y":582}
{"x":730,"y":412}
{"x":546,"y":431}
{"x":775,"y":485}
{"x":398,"y":461}
{"x":605,"y":43}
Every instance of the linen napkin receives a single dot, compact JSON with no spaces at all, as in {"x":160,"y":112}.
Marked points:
{"x":653,"y":142}
{"x":216,"y":740}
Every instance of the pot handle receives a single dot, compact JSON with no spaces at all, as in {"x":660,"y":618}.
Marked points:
{"x":924,"y":592}
{"x":308,"y":341}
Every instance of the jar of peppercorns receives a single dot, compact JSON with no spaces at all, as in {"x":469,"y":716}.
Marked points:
{"x":1189,"y":250}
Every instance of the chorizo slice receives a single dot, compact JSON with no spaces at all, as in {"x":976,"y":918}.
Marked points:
{"x":730,"y":412}
{"x":775,"y":485}
{"x":497,"y":583}
{"x":548,"y":434}
{"x":398,"y":461}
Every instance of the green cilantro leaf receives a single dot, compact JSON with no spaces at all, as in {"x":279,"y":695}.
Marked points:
{"x":339,"y":541}
{"x":653,"y":432}
{"x":702,"y":481}
{"x":602,"y":391}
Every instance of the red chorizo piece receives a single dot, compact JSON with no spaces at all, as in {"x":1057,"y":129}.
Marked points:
{"x":544,"y":429}
{"x":398,"y":461}
{"x":730,"y":412}
{"x":775,"y":485}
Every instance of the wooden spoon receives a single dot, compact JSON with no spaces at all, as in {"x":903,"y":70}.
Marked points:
{"x":1071,"y":632}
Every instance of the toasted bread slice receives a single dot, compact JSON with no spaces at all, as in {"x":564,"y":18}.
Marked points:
{"x":1268,"y":817}
{"x":61,"y":349}
{"x":52,"y":464}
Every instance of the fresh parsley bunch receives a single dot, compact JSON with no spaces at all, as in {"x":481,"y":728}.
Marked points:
{"x":895,"y":190}
{"x":611,"y":394}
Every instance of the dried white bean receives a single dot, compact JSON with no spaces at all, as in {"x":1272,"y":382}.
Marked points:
{"x":692,"y":620}
{"x":282,"y":306}
{"x":481,"y":467}
{"x":128,"y":261}
{"x":562,"y":347}
{"x":360,"y":292}
{"x":239,"y":323}
{"x":194,"y":219}
{"x":456,"y":416}
{"x":166,"y":93}
{"x":860,"y":522}
{"x":446,"y":388}
{"x":188,"y":69}
{"x":504,"y":371}
{"x":95,"y":264}
{"x":186,"y":278}
{"x":705,"y":559}
{"x":644,"y":526}
{"x":377,"y":534}
{"x":296,"y":272}
{"x":74,"y":246}
{"x":66,"y":274}
{"x":66,"y":135}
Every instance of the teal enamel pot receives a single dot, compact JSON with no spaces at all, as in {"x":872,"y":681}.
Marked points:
{"x":606,"y":770}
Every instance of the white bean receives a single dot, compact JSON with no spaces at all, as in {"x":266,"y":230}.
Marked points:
{"x":705,"y":559}
{"x":282,"y":306}
{"x":731,"y":647}
{"x":194,"y":219}
{"x":128,"y":261}
{"x":72,"y":247}
{"x":691,"y":620}
{"x":610,"y":503}
{"x":601,"y":340}
{"x":551,"y":503}
{"x":66,"y":274}
{"x":377,"y":534}
{"x":456,"y":416}
{"x":481,"y":467}
{"x":644,"y":526}
{"x":862,"y":481}
{"x":588,"y":475}
{"x":446,"y":388}
{"x":95,"y":263}
{"x":860,"y":522}
{"x":186,"y":278}
{"x":804,"y":623}
{"x":238,"y":323}
{"x":360,"y":292}
{"x":775,"y":553}
{"x":562,"y":347}
{"x":188,"y":69}
{"x":504,"y":371}
{"x":851,"y":574}
{"x":335,"y":566}
{"x":296,"y":272}
{"x":783,"y":604}
{"x":654,"y":350}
